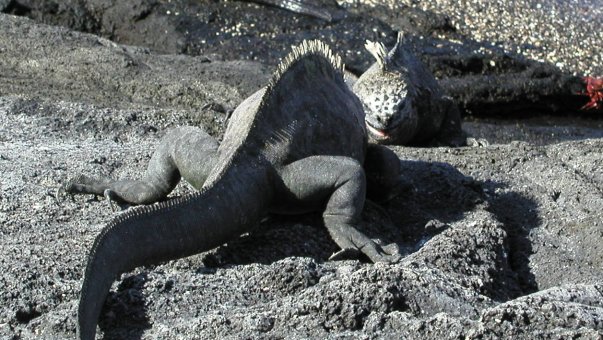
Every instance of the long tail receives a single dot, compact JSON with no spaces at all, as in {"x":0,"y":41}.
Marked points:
{"x":170,"y":230}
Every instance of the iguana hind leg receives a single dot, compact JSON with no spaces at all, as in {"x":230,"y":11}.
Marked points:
{"x":339,"y":182}
{"x":185,"y":151}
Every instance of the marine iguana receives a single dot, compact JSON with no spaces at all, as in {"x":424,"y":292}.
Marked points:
{"x":283,"y":152}
{"x":403,"y":101}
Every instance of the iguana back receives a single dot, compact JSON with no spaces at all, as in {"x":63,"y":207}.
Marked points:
{"x":306,"y":109}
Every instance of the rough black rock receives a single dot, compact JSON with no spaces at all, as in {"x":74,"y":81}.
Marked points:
{"x":482,"y":77}
{"x":501,"y":241}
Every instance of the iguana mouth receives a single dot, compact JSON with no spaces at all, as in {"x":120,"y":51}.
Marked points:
{"x":381,"y":134}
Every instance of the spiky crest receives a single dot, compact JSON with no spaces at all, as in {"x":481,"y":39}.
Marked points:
{"x":393,"y":54}
{"x":378,"y":51}
{"x":299,"y":52}
{"x":307,"y":47}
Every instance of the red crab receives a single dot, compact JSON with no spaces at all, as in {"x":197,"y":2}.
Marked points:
{"x":594,"y":89}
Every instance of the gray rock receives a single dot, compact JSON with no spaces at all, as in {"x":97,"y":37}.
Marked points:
{"x":501,"y":241}
{"x":486,"y":77}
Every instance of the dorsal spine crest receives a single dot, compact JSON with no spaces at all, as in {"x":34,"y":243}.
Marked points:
{"x":307,"y":47}
{"x":379,"y":52}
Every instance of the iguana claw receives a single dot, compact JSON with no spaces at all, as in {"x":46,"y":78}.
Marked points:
{"x":345,"y":254}
{"x":388,"y":253}
{"x":60,"y":193}
{"x":391,"y":253}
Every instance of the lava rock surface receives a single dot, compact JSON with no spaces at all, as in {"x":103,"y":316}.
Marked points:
{"x":499,"y":241}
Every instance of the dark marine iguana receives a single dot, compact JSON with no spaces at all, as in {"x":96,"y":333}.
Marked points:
{"x":403,"y":101}
{"x":283,"y":152}
{"x":403,"y":104}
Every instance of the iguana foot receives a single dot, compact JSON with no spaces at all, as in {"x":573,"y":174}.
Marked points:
{"x":80,"y":184}
{"x":377,"y":253}
{"x":353,"y":242}
{"x":83,"y":184}
{"x":389,"y":253}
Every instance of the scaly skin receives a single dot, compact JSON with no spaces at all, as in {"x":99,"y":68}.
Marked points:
{"x":404,"y":103}
{"x":281,"y":153}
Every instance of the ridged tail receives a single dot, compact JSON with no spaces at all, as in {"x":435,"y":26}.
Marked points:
{"x":170,"y":230}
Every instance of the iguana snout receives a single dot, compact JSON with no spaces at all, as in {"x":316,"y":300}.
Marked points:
{"x":390,"y":117}
{"x":389,"y":114}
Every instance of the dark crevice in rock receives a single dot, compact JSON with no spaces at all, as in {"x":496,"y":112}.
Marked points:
{"x":518,"y":215}
{"x":16,"y":8}
{"x":25,"y":315}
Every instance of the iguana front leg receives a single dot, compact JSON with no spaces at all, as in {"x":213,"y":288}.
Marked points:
{"x":382,"y":169}
{"x":451,"y":132}
{"x":340,"y":183}
{"x":186,"y":152}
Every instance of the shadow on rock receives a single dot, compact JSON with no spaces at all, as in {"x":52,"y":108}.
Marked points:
{"x":519,"y":216}
{"x":434,"y":197}
{"x":276,"y":238}
{"x":483,"y":238}
{"x":124,"y":314}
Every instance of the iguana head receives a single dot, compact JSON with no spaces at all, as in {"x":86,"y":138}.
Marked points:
{"x":387,"y":96}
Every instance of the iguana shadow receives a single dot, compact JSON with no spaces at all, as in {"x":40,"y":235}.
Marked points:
{"x":124,"y":315}
{"x":434,"y":195}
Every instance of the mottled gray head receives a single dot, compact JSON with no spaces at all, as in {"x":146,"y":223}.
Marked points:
{"x":386,"y":94}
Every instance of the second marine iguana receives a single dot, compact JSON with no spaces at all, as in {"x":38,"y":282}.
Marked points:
{"x":283,"y":152}
{"x":403,"y":101}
